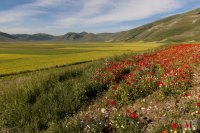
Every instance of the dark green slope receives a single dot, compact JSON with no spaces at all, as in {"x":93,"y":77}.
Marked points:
{"x":179,"y":28}
{"x":34,"y":37}
{"x":86,"y":37}
{"x":6,"y":37}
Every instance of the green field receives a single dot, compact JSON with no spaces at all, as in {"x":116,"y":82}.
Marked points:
{"x":18,"y":57}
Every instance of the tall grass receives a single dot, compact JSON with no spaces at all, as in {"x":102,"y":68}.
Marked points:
{"x":34,"y":108}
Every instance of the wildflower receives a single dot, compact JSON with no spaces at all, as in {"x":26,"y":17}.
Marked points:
{"x":174,"y":126}
{"x":187,"y":125}
{"x":133,"y":115}
{"x":186,"y":95}
{"x":198,"y":104}
{"x":164,"y":131}
{"x":160,"y":83}
{"x":127,"y":111}
{"x":112,"y":102}
{"x":199,"y":96}
{"x":103,"y":110}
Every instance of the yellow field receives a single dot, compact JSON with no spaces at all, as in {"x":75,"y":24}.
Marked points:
{"x":19,"y":57}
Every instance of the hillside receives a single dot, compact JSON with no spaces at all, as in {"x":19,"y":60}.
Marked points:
{"x":6,"y":37}
{"x":34,"y":37}
{"x":84,"y":36}
{"x":178,"y":28}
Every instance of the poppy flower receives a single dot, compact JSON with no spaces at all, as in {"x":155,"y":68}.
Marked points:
{"x":199,"y":96}
{"x":133,"y":115}
{"x":160,"y":83}
{"x":174,"y":126}
{"x":187,"y":125}
{"x":198,"y":104}
{"x":186,"y":95}
{"x":127,"y":111}
{"x":164,"y":131}
{"x":112,"y":102}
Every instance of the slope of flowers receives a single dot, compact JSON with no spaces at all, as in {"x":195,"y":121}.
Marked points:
{"x":169,"y":69}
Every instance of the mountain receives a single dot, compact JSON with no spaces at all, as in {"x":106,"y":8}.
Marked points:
{"x":34,"y":37}
{"x":84,"y":36}
{"x":6,"y":37}
{"x":178,"y":28}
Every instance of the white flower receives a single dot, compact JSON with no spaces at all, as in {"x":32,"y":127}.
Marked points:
{"x":103,"y":110}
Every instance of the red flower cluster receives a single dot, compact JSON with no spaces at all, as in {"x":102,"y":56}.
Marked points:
{"x":169,"y":69}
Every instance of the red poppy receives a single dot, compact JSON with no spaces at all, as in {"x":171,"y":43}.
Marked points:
{"x":186,"y":95}
{"x":160,"y":83}
{"x":199,"y":96}
{"x":133,"y":115}
{"x":187,"y":125}
{"x":112,"y":102}
{"x":127,"y":111}
{"x":198,"y":104}
{"x":174,"y":126}
{"x":164,"y":131}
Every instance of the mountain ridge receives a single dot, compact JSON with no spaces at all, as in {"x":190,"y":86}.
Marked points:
{"x":183,"y":27}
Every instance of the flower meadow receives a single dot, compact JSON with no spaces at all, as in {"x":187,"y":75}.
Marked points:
{"x":169,"y":69}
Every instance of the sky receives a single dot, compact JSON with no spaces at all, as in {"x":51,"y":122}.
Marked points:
{"x":58,"y":17}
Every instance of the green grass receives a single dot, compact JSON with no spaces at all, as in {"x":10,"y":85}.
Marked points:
{"x":28,"y":56}
{"x":46,"y":97}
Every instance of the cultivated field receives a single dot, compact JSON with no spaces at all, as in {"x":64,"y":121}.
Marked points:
{"x":28,"y":56}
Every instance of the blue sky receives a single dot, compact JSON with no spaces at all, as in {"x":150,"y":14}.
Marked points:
{"x":61,"y":16}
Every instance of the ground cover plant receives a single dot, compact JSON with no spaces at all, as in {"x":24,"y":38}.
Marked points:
{"x":34,"y":56}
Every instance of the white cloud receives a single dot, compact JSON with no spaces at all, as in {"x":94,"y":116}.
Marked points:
{"x":25,"y":10}
{"x":89,"y":14}
{"x":119,"y":11}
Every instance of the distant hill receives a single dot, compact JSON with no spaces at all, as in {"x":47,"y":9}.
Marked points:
{"x":178,"y":28}
{"x":6,"y":37}
{"x":35,"y":37}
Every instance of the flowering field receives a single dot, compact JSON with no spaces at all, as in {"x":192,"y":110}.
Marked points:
{"x":126,"y":93}
{"x":169,"y":69}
